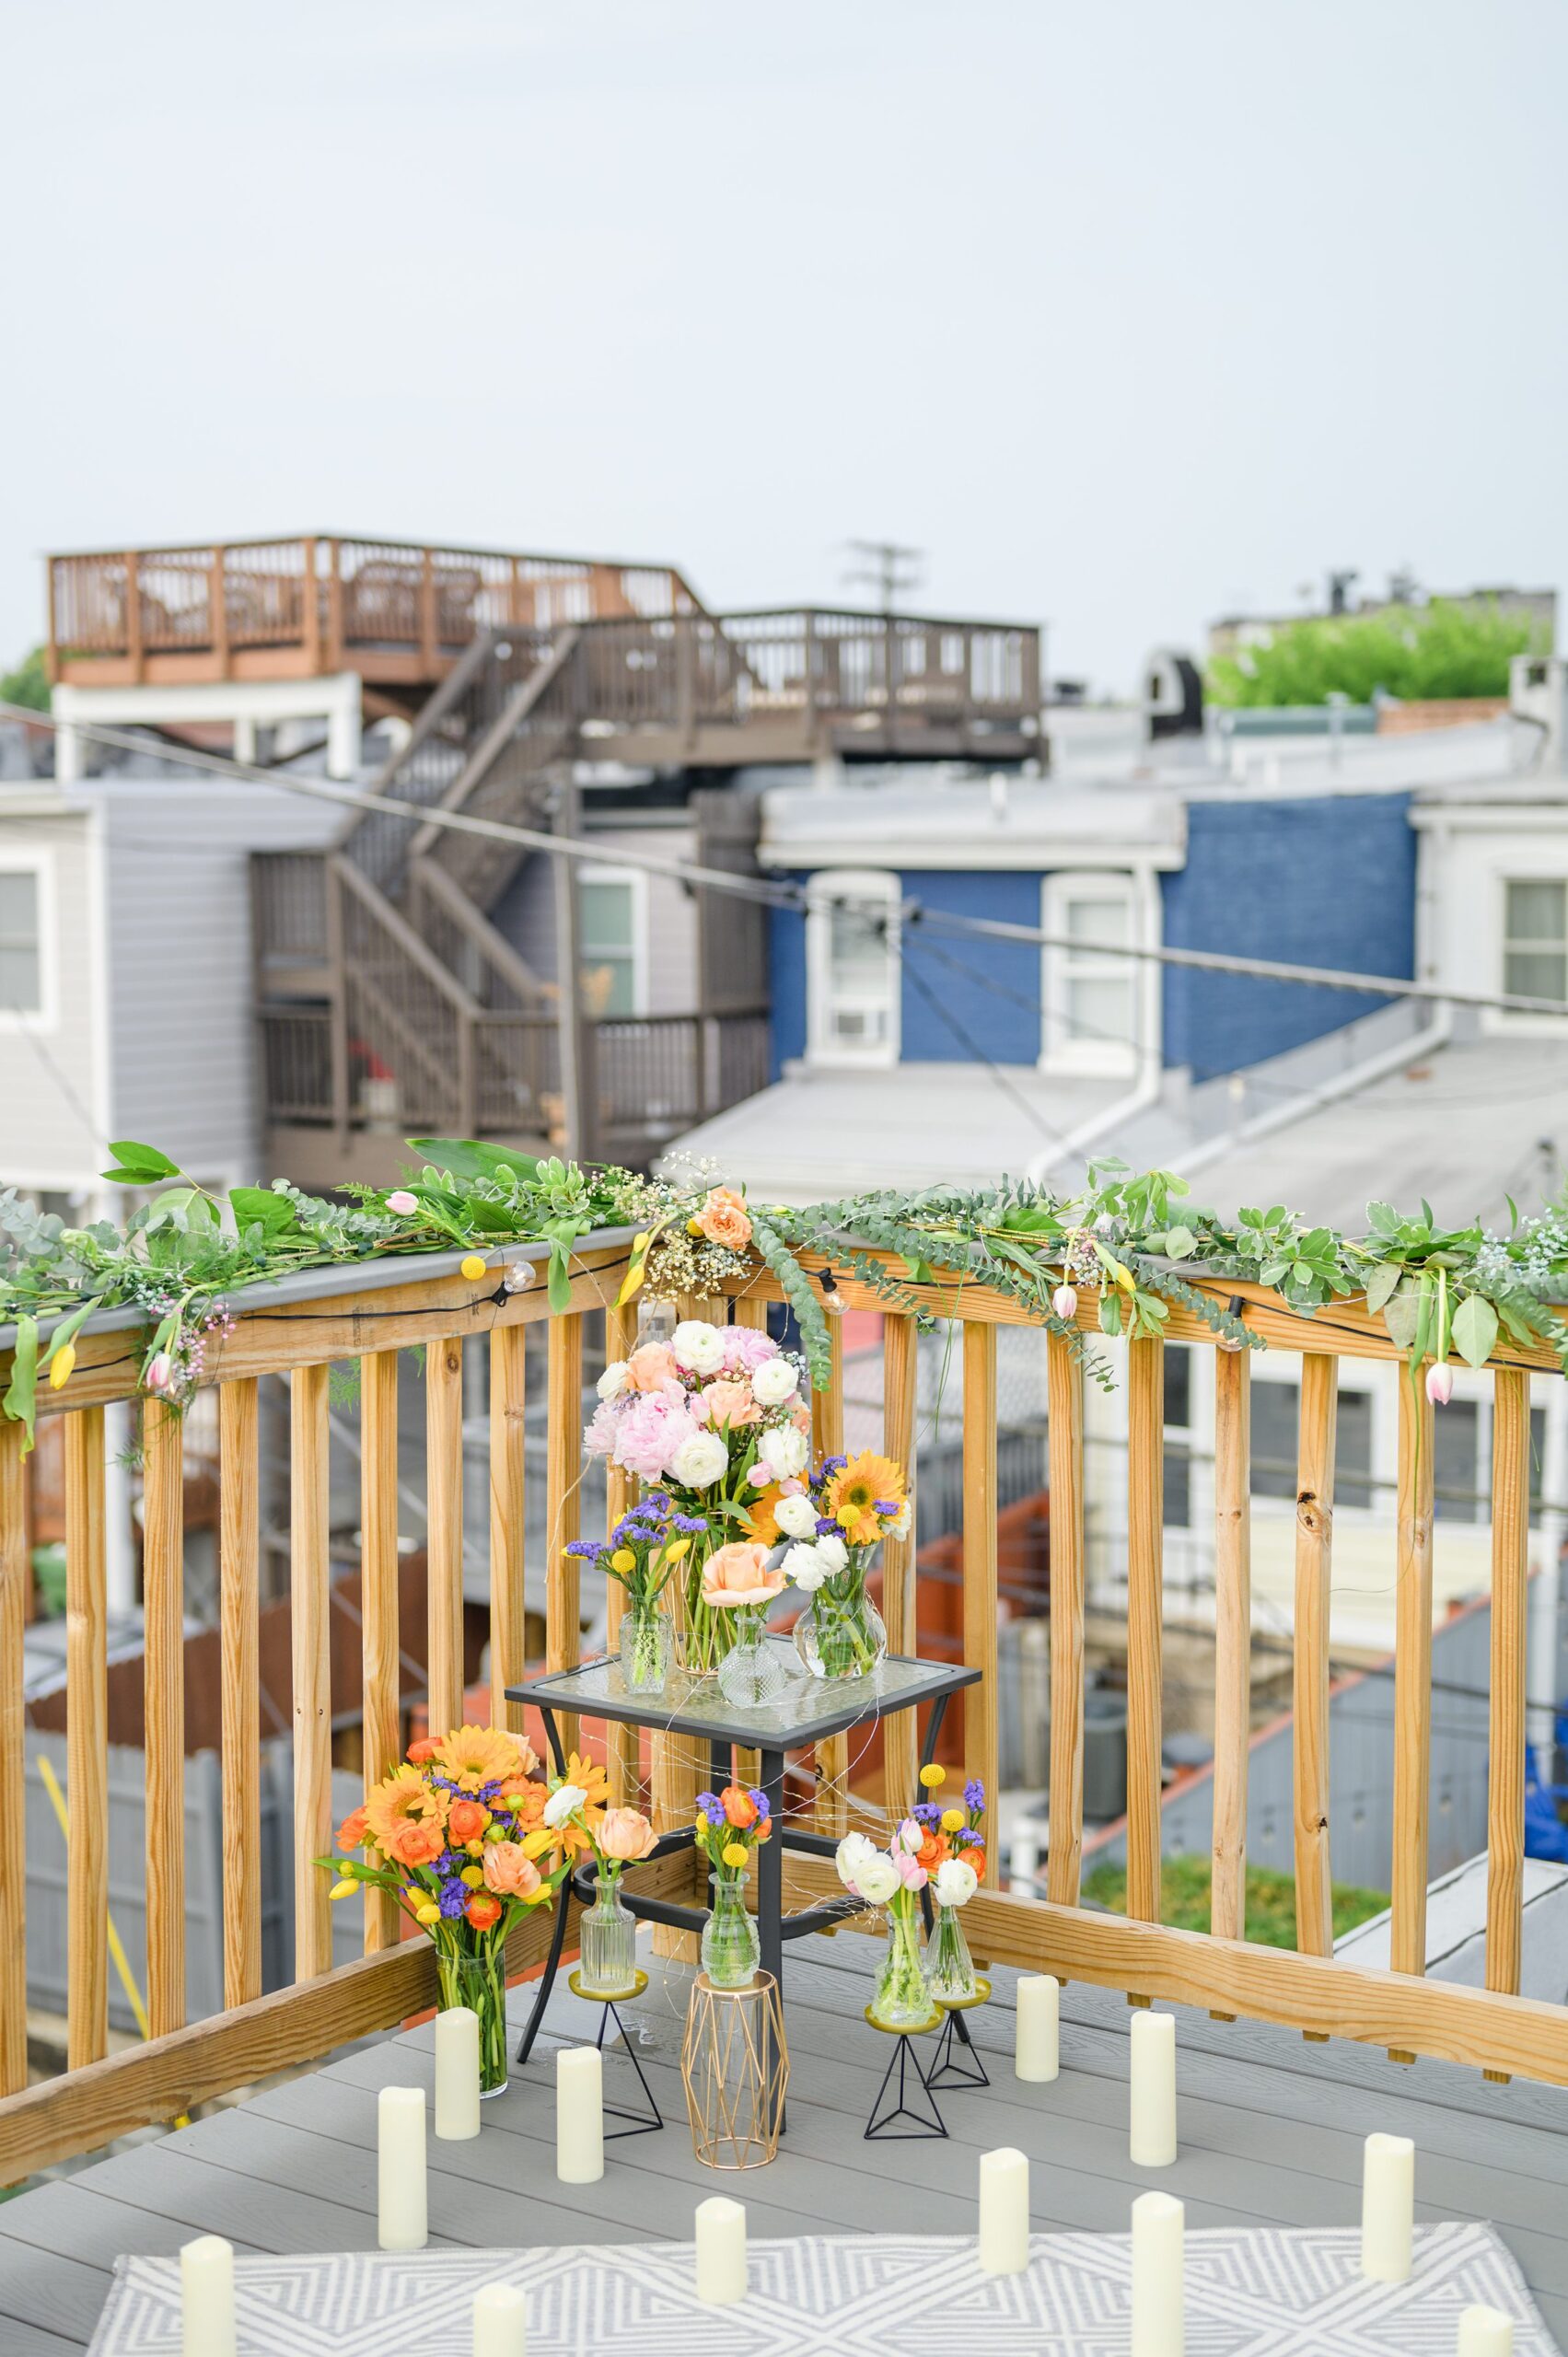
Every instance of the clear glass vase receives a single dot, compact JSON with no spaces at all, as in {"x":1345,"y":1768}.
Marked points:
{"x":839,"y":1633}
{"x":479,"y":1983}
{"x":607,"y":1959}
{"x":708,"y":1630}
{"x":949,"y":1968}
{"x":901,"y":1999}
{"x":731,"y":1947}
{"x":751,"y":1672}
{"x":648,"y":1644}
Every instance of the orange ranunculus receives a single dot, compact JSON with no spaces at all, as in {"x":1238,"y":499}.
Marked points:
{"x":761,"y":1519}
{"x":400,"y":1801}
{"x":354,"y":1830}
{"x":416,"y":1842}
{"x":729,"y":1403}
{"x":724,"y":1219}
{"x":738,"y":1807}
{"x":476,"y":1756}
{"x":509,"y":1872}
{"x":738,"y":1574}
{"x":483,"y":1911}
{"x":466,"y":1819}
{"x":651,"y":1367}
{"x":932,"y":1851}
{"x":626,"y":1834}
{"x":425,"y":1748}
{"x":530,"y":1809}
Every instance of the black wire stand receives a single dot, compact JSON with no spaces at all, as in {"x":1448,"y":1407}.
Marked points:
{"x":956,"y":2062}
{"x":905,"y":2107}
{"x":642,"y":2118}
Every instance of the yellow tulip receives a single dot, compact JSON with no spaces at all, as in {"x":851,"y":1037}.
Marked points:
{"x":474,"y":1876}
{"x":676,"y":1548}
{"x":344,"y":1889}
{"x":952,"y":1820}
{"x":640,"y":1241}
{"x":734,"y":1853}
{"x":428,"y":1914}
{"x":624,"y":1560}
{"x":1123,"y":1277}
{"x":933,"y":1775}
{"x":60,"y":1367}
{"x":536,"y":1843}
{"x":693,"y":1227}
{"x":472,"y":1267}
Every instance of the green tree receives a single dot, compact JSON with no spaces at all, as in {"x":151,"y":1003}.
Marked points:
{"x":27,"y":684}
{"x":1445,"y":648}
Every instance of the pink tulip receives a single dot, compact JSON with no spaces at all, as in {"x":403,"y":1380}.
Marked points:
{"x":1064,"y":1301}
{"x":912,"y":1873}
{"x":160,"y":1373}
{"x":402,"y":1201}
{"x":1440,"y":1385}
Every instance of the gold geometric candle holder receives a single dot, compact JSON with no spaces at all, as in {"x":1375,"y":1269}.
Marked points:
{"x":735,"y":2063}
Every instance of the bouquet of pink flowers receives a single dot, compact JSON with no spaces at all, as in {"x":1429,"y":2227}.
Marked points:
{"x":717,"y":1418}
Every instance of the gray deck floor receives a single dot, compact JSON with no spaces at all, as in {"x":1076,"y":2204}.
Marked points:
{"x":1270,"y":2132}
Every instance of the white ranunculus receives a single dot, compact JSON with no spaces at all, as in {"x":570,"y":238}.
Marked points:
{"x":774,"y":1381}
{"x":876,"y":1879}
{"x":851,"y":1852}
{"x":699,"y":1461}
{"x":785,"y":1451}
{"x":955,"y":1883}
{"x":805,"y":1566}
{"x":796,"y":1516}
{"x":698,"y":1347}
{"x":903,"y":1521}
{"x":833,"y":1554}
{"x":564,"y":1802}
{"x":613,"y":1382}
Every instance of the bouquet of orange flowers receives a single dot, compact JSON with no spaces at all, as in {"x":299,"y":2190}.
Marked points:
{"x":456,"y":1834}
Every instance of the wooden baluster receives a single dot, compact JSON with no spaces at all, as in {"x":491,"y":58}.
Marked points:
{"x":980,"y":1740}
{"x":240,"y":1648}
{"x":379,"y":1634}
{"x":86,"y":1724}
{"x":1065,"y":1432}
{"x":1412,"y":1684}
{"x":748,"y":1311}
{"x":310,"y":1574}
{"x":901,"y":1734}
{"x":16,"y":1579}
{"x":429,"y":633}
{"x":1232,"y":1638}
{"x":443,"y":1517}
{"x":1314,"y":1549}
{"x":508,"y":1486}
{"x":832,"y":1811}
{"x":163,"y":1551}
{"x":134,"y":647}
{"x":1506,"y":1789}
{"x":563,"y":1504}
{"x":620,"y":1496}
{"x":1145,"y":1600}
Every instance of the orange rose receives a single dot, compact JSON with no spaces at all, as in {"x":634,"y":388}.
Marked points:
{"x":730,"y":1403}
{"x":425,"y":1748}
{"x":415,"y":1842}
{"x":932,"y":1851}
{"x":483,"y":1911}
{"x":466,"y":1820}
{"x":626,"y":1834}
{"x":651,"y":1367}
{"x":353,"y":1830}
{"x":738,"y":1574}
{"x":739,"y":1805}
{"x":724,"y":1219}
{"x":509,"y":1872}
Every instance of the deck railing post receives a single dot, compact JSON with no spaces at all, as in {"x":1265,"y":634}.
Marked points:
{"x":1232,"y":1638}
{"x":239,"y":1501}
{"x":1065,"y":1442}
{"x":310,"y":1603}
{"x":1506,"y":1747}
{"x":444,"y":1475}
{"x":382,"y":1682}
{"x":1412,"y":1684}
{"x":1145,"y":1612}
{"x":828,"y":1440}
{"x":1314,"y":1549}
{"x":16,"y":1578}
{"x":982,"y":1741}
{"x":163,"y":1613}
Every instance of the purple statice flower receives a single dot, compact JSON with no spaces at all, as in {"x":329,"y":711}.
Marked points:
{"x":888,"y":1508}
{"x":689,"y":1523}
{"x":759,"y":1799}
{"x":450,"y":1862}
{"x":926,"y":1812}
{"x":454,"y":1899}
{"x":587,"y":1548}
{"x":746,"y":1346}
{"x":975,"y":1793}
{"x":827,"y":1528}
{"x":707,"y":1803}
{"x":833,"y":1464}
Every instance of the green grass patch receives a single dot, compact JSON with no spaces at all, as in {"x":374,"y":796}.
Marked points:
{"x":1271,"y":1899}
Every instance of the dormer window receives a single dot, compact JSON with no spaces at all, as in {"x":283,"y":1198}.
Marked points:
{"x":854,"y":967}
{"x":1091,"y":994}
{"x":1535,"y":936}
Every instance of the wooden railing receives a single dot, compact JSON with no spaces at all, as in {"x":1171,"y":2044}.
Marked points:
{"x":366,"y":1322}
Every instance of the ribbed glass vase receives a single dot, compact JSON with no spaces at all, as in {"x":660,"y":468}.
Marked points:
{"x":606,"y":1961}
{"x":731,"y":1947}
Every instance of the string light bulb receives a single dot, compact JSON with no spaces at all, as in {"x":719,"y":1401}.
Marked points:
{"x":519,"y":1276}
{"x":832,"y":1299}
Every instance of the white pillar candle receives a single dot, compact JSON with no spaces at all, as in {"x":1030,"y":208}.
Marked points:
{"x":1484,"y":2332}
{"x":206,"y":2297}
{"x":1159,"y":2224}
{"x":1004,"y":2212}
{"x":498,"y":2329}
{"x":579,"y":2116}
{"x":1037,"y":2050}
{"x":1387,"y":2209}
{"x":721,"y":2251}
{"x":457,"y":2074}
{"x":401,"y":2222}
{"x":1153,"y":2091}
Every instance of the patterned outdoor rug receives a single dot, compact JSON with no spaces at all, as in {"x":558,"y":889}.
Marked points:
{"x":1249,"y":2293}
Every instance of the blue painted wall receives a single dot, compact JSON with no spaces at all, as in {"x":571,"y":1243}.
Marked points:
{"x":960,"y":995}
{"x":1328,"y":882}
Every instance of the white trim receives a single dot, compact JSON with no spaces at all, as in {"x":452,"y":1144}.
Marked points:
{"x":40,"y":865}
{"x":822,"y":1046}
{"x":1060,"y":1052}
{"x":1549,"y":866}
{"x":637,"y":877}
{"x":334,"y":698}
{"x":971,"y":853}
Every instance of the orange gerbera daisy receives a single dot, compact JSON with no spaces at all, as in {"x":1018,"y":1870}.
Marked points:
{"x":476,"y":1756}
{"x":402,"y":1800}
{"x":573,"y":1840}
{"x":761,"y":1520}
{"x":854,"y":1492}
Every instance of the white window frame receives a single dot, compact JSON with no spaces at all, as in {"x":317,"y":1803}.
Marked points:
{"x":873,"y":884}
{"x":1107,"y":1058}
{"x":592,"y":872}
{"x":45,"y":1016}
{"x":1519,"y":870}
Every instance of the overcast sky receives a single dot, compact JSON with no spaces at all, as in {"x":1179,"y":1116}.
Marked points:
{"x":1128,"y":314}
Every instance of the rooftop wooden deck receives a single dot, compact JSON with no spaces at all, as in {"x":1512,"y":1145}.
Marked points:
{"x":1271,"y":2130}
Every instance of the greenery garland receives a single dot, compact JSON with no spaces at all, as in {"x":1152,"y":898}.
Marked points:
{"x":184,"y":1260}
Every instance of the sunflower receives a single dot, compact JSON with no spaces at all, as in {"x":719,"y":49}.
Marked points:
{"x":858,"y":1489}
{"x":403,"y":1799}
{"x":473,"y":1757}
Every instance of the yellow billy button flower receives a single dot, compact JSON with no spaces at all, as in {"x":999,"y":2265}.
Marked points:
{"x":474,"y":1876}
{"x":344,"y":1889}
{"x":734,"y":1853}
{"x":933,"y":1774}
{"x":60,"y":1367}
{"x":472,"y":1267}
{"x":474,"y":1849}
{"x":952,"y":1820}
{"x":624,"y":1560}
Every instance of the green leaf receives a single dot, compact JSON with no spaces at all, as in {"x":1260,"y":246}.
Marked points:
{"x":1179,"y":1242}
{"x":258,"y":1207}
{"x":1110,"y":1313}
{"x":1381,"y":1283}
{"x":472,"y":1159}
{"x":20,"y":1403}
{"x":1401,"y":1315}
{"x":1475,"y":1329}
{"x":139,"y":1166}
{"x":559,"y":1286}
{"x":1384,"y":1217}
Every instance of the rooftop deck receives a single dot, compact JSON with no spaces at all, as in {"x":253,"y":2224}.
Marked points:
{"x":1270,"y":2135}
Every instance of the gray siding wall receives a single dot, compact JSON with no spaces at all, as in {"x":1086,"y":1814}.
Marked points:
{"x":50,"y":1078}
{"x":525,"y":916}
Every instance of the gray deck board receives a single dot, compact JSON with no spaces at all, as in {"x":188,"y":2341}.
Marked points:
{"x":1270,"y":2126}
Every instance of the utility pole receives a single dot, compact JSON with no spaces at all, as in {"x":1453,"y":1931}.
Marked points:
{"x":577,"y":1088}
{"x":890,"y":567}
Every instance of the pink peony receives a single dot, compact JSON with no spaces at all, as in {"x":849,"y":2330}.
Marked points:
{"x":599,"y":1437}
{"x":746,"y":1346}
{"x":649,"y":1430}
{"x":730,"y":1403}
